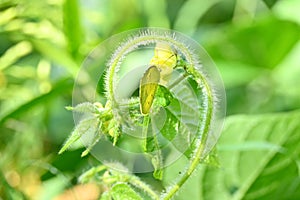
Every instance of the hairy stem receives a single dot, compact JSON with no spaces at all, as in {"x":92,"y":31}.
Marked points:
{"x":146,"y":188}
{"x":196,"y":159}
{"x":145,"y":131}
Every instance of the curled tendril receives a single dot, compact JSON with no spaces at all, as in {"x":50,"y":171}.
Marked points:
{"x":109,"y":120}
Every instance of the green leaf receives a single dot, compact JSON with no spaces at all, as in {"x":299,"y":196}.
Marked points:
{"x":184,"y":116}
{"x":180,"y":125}
{"x":159,"y":19}
{"x":85,"y":126}
{"x":56,"y":54}
{"x":172,"y":9}
{"x":123,"y":191}
{"x":96,"y":137}
{"x":163,"y":96}
{"x":288,"y":10}
{"x":174,"y":130}
{"x":60,"y":87}
{"x":169,"y":128}
{"x":14,"y":53}
{"x":259,"y":159}
{"x":153,"y":148}
{"x":154,"y":143}
{"x":72,"y":26}
{"x":192,"y":10}
{"x":229,"y":70}
{"x":262,"y":44}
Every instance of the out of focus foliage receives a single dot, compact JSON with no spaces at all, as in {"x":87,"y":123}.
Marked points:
{"x":254,"y":43}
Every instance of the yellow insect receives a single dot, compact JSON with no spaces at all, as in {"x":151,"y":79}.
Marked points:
{"x":148,"y":86}
{"x":161,"y":66}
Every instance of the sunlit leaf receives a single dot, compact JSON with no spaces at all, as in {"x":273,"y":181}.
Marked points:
{"x":288,"y":10}
{"x":72,"y":26}
{"x":266,"y":169}
{"x":14,"y":53}
{"x":56,"y":54}
{"x":86,"y":126}
{"x":263,"y":44}
{"x":60,"y":87}
{"x":96,"y":137}
{"x":155,"y":11}
{"x":190,"y":13}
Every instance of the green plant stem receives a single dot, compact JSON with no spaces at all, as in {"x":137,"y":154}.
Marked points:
{"x":88,"y":175}
{"x":199,"y":151}
{"x":140,"y":184}
{"x":158,"y":173}
{"x":145,"y":131}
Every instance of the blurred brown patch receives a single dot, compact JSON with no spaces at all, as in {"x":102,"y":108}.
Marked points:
{"x":81,"y":192}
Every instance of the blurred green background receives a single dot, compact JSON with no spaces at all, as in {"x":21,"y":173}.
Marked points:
{"x":254,"y":43}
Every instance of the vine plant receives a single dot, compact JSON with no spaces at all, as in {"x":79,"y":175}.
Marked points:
{"x":108,"y":122}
